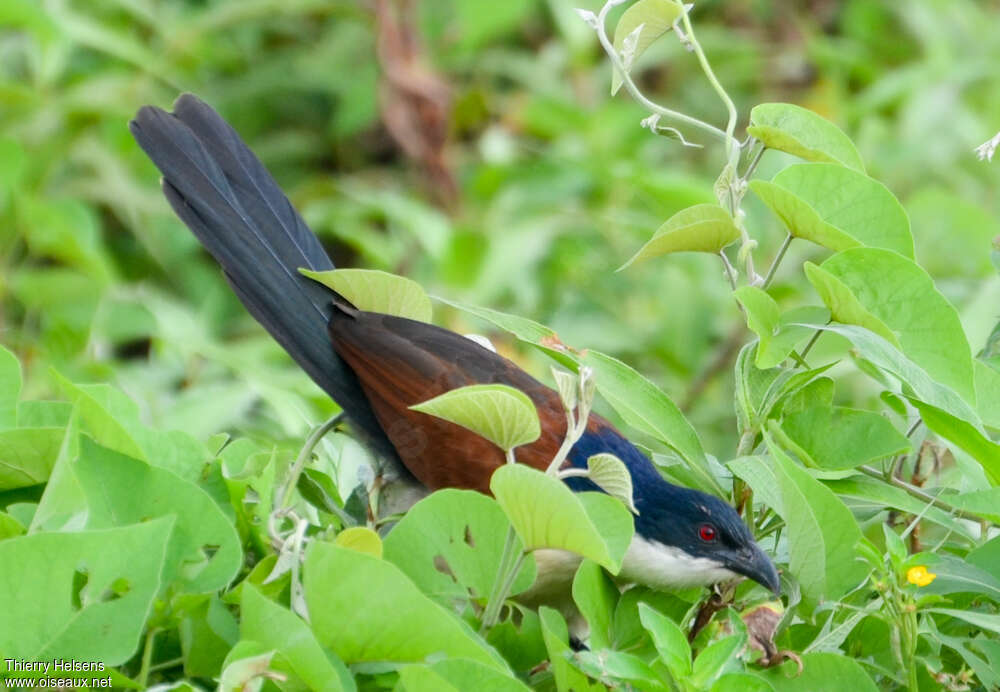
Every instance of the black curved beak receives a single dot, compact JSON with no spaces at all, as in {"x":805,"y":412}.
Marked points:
{"x":757,"y":565}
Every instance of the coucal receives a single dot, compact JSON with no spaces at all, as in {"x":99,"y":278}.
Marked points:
{"x":376,"y":366}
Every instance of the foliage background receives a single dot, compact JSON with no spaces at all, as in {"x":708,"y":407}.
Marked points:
{"x":556,"y":183}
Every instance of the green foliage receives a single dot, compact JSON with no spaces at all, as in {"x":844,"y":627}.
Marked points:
{"x":149,"y":518}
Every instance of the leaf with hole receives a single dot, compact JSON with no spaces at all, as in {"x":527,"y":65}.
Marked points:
{"x":58,"y":589}
{"x":450,"y":544}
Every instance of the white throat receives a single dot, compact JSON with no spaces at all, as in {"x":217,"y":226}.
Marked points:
{"x":663,"y":566}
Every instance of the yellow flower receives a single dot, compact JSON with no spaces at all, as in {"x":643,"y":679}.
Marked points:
{"x":919,"y":575}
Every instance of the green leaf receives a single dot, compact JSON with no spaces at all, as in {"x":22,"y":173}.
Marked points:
{"x":610,"y":474}
{"x":988,"y":394}
{"x":671,"y":643}
{"x":297,"y":653}
{"x":642,"y":405}
{"x":836,"y":207}
{"x":844,"y":305}
{"x":547,"y":514}
{"x":503,"y":415}
{"x":820,"y":671}
{"x":986,"y":621}
{"x":879,"y":495}
{"x":457,"y":674}
{"x":821,"y":531}
{"x":596,"y":595}
{"x":377,"y":291}
{"x":10,"y":388}
{"x":10,"y":527}
{"x":655,"y":17}
{"x":884,"y":355}
{"x":802,"y":133}
{"x":204,"y":553}
{"x":365,"y":609}
{"x":528,"y":331}
{"x":207,"y":633}
{"x":778,"y":333}
{"x":842,"y":438}
{"x":556,"y":636}
{"x":27,"y":455}
{"x":608,"y":665}
{"x":903,"y":297}
{"x":958,"y":576}
{"x":701,"y":228}
{"x":360,"y":538}
{"x":716,"y":659}
{"x":963,"y":434}
{"x":112,"y":418}
{"x":450,"y":544}
{"x":246,"y":668}
{"x":58,"y":589}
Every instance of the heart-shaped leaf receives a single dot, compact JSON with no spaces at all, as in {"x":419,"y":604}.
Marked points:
{"x":655,"y":18}
{"x":503,"y":415}
{"x":701,"y":228}
{"x":377,"y":291}
{"x":802,"y":133}
{"x":836,"y":207}
{"x":547,"y":514}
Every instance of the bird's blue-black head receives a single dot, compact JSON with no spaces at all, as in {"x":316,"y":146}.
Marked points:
{"x":683,"y":537}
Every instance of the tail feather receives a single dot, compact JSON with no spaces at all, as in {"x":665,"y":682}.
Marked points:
{"x":219,"y":188}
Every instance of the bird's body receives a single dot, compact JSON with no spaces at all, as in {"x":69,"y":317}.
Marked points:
{"x":377,"y":366}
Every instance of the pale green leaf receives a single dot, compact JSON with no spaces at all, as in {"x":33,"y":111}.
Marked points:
{"x":503,"y":415}
{"x":450,"y":545}
{"x":10,"y":388}
{"x":547,"y":514}
{"x":837,"y":207}
{"x":802,"y":133}
{"x":27,"y":455}
{"x":611,"y":475}
{"x":778,"y":333}
{"x":842,"y":438}
{"x":965,"y":435}
{"x":671,"y":643}
{"x":366,"y":610}
{"x":701,"y":228}
{"x":377,"y":291}
{"x":596,"y":595}
{"x":296,"y":650}
{"x":361,"y":539}
{"x":901,"y":294}
{"x":655,"y":17}
{"x":642,"y":405}
{"x":58,"y":589}
{"x":844,"y":305}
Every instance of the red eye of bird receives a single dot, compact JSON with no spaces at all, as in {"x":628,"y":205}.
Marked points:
{"x":706,"y":532}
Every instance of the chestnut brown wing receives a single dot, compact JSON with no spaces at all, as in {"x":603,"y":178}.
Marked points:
{"x":402,"y":362}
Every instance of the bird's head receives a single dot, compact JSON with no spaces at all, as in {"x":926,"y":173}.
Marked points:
{"x":685,"y":537}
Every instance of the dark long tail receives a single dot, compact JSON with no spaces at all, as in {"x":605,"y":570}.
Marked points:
{"x":222,"y":191}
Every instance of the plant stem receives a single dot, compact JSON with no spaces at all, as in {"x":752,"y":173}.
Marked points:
{"x":147,"y":657}
{"x":305,"y":455}
{"x":493,"y":604}
{"x":777,"y":260}
{"x":731,"y":142}
{"x":920,"y":494}
{"x":633,"y":90}
{"x":809,"y":345}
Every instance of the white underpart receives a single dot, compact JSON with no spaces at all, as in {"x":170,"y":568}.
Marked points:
{"x":664,"y":566}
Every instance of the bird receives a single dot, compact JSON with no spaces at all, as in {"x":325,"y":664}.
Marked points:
{"x":377,"y":366}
